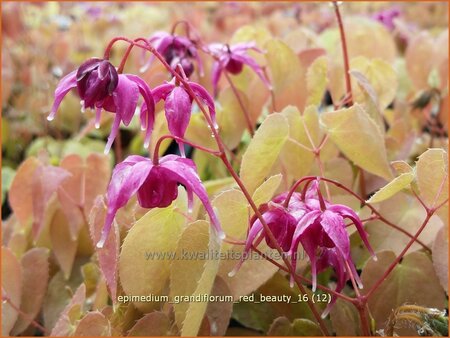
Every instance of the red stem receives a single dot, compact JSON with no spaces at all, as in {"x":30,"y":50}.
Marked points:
{"x":348,"y":82}
{"x":398,"y":259}
{"x":250,"y":128}
{"x":180,"y":139}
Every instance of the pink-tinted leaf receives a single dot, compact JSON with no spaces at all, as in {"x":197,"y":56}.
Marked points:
{"x":108,"y":256}
{"x":93,"y":324}
{"x":20,"y":193}
{"x":35,"y":279}
{"x":46,"y":180}
{"x":152,"y":324}
{"x":12,"y":279}
{"x":71,"y":312}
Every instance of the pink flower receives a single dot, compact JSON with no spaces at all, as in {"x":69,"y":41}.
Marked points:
{"x":387,"y":17}
{"x":232,"y":59}
{"x":156,"y":186}
{"x":100,"y":87}
{"x":176,"y":50}
{"x":318,"y":225}
{"x":178,"y":105}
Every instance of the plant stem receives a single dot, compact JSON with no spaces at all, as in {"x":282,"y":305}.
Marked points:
{"x":400,"y":256}
{"x":348,"y":82}
{"x":250,"y":128}
{"x":180,"y":139}
{"x":376,"y":212}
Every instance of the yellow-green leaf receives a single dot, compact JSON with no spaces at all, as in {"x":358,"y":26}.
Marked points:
{"x":359,"y":138}
{"x":156,"y":233}
{"x":297,"y":159}
{"x":193,"y":276}
{"x":288,"y":75}
{"x":232,"y":210}
{"x":316,"y":80}
{"x":432,"y":176}
{"x":263,"y":151}
{"x":381,"y":76}
{"x":393,"y":187}
{"x":231,"y":118}
{"x":266,"y":190}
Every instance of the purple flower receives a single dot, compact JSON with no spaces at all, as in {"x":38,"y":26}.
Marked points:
{"x":178,"y":105}
{"x":387,"y":17}
{"x":176,"y":50}
{"x":155,"y":186}
{"x":100,"y":87}
{"x":318,"y":225}
{"x":232,"y":59}
{"x":281,"y":224}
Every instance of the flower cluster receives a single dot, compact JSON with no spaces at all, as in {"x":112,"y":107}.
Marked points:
{"x":319,"y":226}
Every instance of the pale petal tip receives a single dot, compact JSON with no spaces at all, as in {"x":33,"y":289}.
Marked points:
{"x":51,"y":117}
{"x":232,"y":273}
{"x":375,"y":258}
{"x":106,"y":151}
{"x":143,"y":128}
{"x":101,"y":243}
{"x":97,"y":125}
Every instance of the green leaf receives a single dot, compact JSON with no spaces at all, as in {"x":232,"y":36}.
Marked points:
{"x":345,"y":319}
{"x":299,"y":327}
{"x":156,"y":233}
{"x":432,"y":176}
{"x":381,"y":77}
{"x":367,"y":148}
{"x":266,"y":190}
{"x":397,"y":184}
{"x":295,"y":158}
{"x":288,"y":75}
{"x":194,"y":276}
{"x":316,"y":80}
{"x":232,"y":210}
{"x":263,"y":151}
{"x":413,"y":281}
{"x":7,"y":178}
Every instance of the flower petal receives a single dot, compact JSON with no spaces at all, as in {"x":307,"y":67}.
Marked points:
{"x":126,"y":180}
{"x":256,"y":229}
{"x":253,"y":65}
{"x":203,"y":94}
{"x":126,"y":97}
{"x":67,"y":83}
{"x":347,"y":212}
{"x":216,"y":72}
{"x":178,"y":111}
{"x":185,"y":172}
{"x":334,"y":226}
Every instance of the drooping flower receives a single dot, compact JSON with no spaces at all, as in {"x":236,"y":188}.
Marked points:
{"x":176,"y":50}
{"x":317,"y":225}
{"x":100,"y":87}
{"x":178,"y":105}
{"x":232,"y":59}
{"x":280,"y":222}
{"x":155,"y":186}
